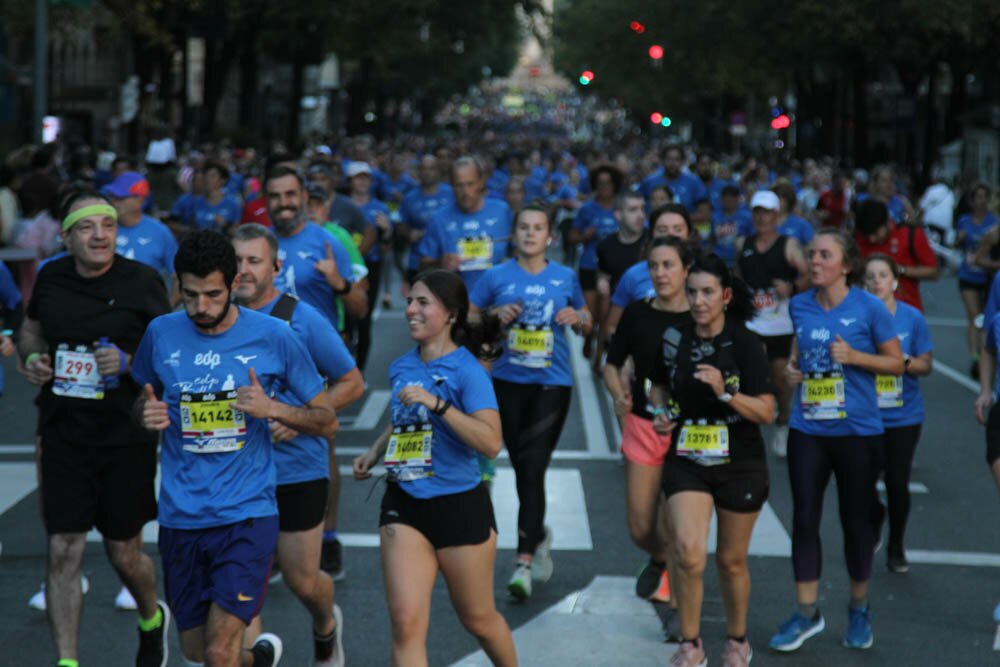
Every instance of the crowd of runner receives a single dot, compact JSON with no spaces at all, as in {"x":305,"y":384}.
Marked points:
{"x":210,"y":313}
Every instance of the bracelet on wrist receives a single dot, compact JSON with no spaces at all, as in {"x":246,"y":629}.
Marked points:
{"x":657,"y":411}
{"x":31,"y":357}
{"x":443,"y":409}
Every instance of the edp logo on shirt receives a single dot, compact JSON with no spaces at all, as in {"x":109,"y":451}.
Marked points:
{"x":210,"y":359}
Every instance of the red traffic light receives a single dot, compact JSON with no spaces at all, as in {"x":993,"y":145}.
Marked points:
{"x":637,"y":27}
{"x":656,"y":118}
{"x":780,"y":122}
{"x":656,"y":52}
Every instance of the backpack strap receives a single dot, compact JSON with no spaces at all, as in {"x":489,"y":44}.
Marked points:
{"x":284,"y":307}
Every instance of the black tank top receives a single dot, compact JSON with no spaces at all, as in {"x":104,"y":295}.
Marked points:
{"x":760,"y":270}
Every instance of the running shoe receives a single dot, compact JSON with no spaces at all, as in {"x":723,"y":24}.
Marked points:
{"x":329,"y":651}
{"x":153,"y":649}
{"x":332,"y":560}
{"x":37,"y":601}
{"x":648,"y":581}
{"x":859,"y":628}
{"x":898,"y":564}
{"x":520,"y":582}
{"x":689,"y":654}
{"x":266,"y":650}
{"x":672,"y":627}
{"x":779,"y":441}
{"x":796,"y":630}
{"x":125,"y":601}
{"x":541,"y":565}
{"x":662,"y":593}
{"x":737,"y":654}
{"x":276,"y":570}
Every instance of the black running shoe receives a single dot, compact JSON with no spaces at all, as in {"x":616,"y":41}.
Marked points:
{"x":648,"y":580}
{"x":332,"y":559}
{"x":153,"y":651}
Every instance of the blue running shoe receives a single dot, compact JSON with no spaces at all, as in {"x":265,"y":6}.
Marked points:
{"x":796,"y":630}
{"x":859,"y":628}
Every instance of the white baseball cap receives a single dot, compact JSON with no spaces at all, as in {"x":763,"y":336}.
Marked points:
{"x":765,"y":199}
{"x":357,"y":168}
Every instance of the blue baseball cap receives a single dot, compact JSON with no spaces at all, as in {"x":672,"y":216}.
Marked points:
{"x":129,"y":184}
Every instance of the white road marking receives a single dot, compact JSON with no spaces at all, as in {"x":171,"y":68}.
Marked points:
{"x":583,"y":379}
{"x":769,"y":536}
{"x":565,"y":512}
{"x":17,"y":449}
{"x":957,"y":376}
{"x":371,"y":411}
{"x":969,"y":558}
{"x":616,"y":430}
{"x":16,"y":481}
{"x":564,"y":455}
{"x":946,"y":322}
{"x":915,"y":487}
{"x":602,"y":625}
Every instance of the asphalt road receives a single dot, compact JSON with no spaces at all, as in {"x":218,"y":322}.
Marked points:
{"x":938,"y":613}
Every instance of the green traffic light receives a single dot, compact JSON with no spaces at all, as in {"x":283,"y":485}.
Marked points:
{"x":666,"y":121}
{"x":584,"y":81}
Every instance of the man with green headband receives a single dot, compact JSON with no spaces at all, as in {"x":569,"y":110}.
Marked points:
{"x":87,"y":314}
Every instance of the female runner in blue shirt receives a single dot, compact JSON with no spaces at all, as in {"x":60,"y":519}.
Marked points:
{"x":534,"y":300}
{"x":436,"y":514}
{"x":844,"y":337}
{"x":900,"y":400}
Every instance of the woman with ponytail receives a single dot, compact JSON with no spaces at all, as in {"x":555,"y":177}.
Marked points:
{"x":535,"y":300}
{"x":436,"y":514}
{"x":711,"y":390}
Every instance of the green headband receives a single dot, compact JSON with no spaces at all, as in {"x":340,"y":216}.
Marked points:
{"x":94,"y":209}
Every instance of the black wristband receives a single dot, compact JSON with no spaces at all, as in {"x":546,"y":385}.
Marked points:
{"x":343,"y":290}
{"x":443,"y":409}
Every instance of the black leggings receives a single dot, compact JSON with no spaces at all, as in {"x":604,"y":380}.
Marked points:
{"x":532,"y":417}
{"x":364,"y":326}
{"x":852,"y":459}
{"x":895,"y":458}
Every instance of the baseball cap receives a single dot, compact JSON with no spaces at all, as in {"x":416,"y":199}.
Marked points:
{"x":357,"y":168}
{"x":316,"y":191}
{"x":765,"y":199}
{"x":129,"y":184}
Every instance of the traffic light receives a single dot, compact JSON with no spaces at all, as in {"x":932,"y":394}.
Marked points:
{"x":656,"y":52}
{"x":656,"y":118}
{"x":666,"y":121}
{"x":637,"y":27}
{"x":781,"y":122}
{"x":586,"y":77}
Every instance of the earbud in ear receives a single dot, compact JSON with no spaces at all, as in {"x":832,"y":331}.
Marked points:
{"x":895,"y":285}
{"x":549,"y":242}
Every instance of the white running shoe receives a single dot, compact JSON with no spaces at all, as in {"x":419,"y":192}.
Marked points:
{"x":37,"y":600}
{"x":779,"y":442}
{"x":541,"y":564}
{"x":125,"y":601}
{"x":520,"y":582}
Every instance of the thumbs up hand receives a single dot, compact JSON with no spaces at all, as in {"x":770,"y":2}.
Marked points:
{"x":841,"y":351}
{"x":155,"y":415}
{"x":252,"y":399}
{"x":328,"y":267}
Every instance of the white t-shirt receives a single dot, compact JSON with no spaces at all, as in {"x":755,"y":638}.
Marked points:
{"x":938,"y":205}
{"x":161,"y":151}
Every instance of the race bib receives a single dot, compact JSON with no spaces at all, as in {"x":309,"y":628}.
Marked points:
{"x":75,"y":374}
{"x":889,"y":389}
{"x":970,"y":262}
{"x":703,"y":440}
{"x":408,"y":455}
{"x":823,"y":396}
{"x":765,"y":302}
{"x":531,"y":346}
{"x":476,"y":253}
{"x":209,"y":425}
